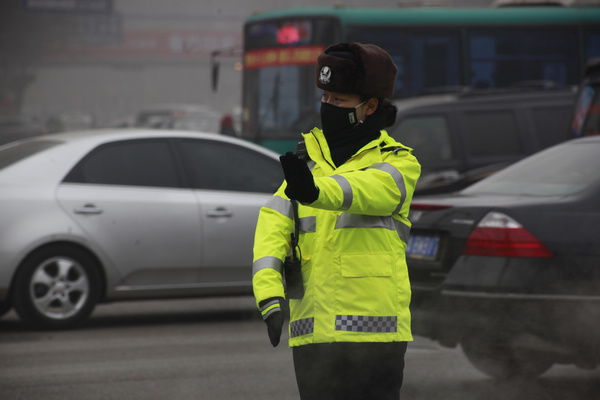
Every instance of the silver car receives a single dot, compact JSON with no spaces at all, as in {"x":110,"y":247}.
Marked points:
{"x":107,"y":215}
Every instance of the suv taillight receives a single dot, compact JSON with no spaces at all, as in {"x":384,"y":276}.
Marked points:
{"x":499,"y":235}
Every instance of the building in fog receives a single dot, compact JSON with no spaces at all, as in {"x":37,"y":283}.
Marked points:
{"x":149,"y":52}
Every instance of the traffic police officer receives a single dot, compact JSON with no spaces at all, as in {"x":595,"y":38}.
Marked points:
{"x":349,"y":330}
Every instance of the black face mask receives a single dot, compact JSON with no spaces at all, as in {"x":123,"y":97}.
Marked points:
{"x":335,"y":120}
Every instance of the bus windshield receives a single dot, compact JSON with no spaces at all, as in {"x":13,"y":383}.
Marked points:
{"x":279,"y":95}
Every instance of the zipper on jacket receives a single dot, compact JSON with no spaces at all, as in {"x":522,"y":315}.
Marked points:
{"x":322,"y":153}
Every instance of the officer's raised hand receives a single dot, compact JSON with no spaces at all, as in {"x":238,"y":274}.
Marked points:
{"x":300,"y":182}
{"x":273,"y":317}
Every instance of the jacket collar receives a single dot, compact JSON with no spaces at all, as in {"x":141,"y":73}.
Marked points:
{"x":319,"y":152}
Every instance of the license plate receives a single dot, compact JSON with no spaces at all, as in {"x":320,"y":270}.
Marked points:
{"x":423,"y":246}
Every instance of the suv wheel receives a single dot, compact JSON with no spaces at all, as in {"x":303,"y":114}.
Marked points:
{"x":56,"y":287}
{"x":497,"y":360}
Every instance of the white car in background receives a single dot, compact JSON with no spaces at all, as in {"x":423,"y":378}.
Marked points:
{"x":187,"y":117}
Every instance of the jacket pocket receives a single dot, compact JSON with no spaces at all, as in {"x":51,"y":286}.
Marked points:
{"x":367,"y":286}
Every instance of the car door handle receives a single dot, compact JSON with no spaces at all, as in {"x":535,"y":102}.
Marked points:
{"x":88,"y":209}
{"x":219,"y":212}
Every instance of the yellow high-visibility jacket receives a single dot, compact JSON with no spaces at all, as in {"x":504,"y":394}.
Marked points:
{"x":352,"y":246}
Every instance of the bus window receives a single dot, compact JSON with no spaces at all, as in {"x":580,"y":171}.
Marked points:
{"x":592,"y":43}
{"x":501,"y":57}
{"x":425,"y":59}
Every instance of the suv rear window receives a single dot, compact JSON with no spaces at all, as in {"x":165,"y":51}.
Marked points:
{"x":491,"y":133}
{"x":550,"y":124}
{"x":427,"y":135}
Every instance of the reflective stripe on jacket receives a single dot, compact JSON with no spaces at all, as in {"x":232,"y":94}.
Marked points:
{"x":352,"y":245}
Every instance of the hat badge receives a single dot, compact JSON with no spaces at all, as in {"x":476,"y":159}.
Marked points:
{"x":325,"y":75}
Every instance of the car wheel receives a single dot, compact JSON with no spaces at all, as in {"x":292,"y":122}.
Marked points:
{"x":500,"y":362}
{"x":56,"y":287}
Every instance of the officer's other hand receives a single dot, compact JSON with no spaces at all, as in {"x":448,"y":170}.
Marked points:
{"x":274,"y":327}
{"x":300,"y":182}
{"x":273,"y":317}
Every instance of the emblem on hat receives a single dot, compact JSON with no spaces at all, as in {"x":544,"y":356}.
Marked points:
{"x":325,"y":75}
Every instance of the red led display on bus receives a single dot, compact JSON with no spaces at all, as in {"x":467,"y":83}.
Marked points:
{"x":275,"y":57}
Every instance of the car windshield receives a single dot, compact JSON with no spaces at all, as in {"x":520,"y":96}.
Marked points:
{"x":560,"y":170}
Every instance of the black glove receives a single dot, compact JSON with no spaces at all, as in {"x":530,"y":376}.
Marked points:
{"x":300,"y":182}
{"x":273,"y":316}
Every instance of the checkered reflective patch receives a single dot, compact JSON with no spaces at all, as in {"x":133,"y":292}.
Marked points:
{"x":302,"y":327}
{"x":361,"y":323}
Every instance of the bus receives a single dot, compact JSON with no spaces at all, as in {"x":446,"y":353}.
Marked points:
{"x":435,"y":49}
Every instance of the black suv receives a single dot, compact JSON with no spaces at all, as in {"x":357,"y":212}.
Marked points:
{"x":462,"y":137}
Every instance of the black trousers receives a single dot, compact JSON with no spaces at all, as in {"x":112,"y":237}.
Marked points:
{"x":347,"y":371}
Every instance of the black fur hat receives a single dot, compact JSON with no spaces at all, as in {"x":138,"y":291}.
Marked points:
{"x":364,"y":69}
